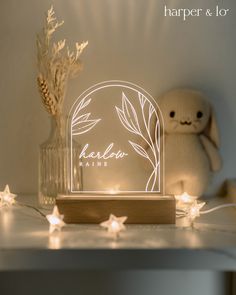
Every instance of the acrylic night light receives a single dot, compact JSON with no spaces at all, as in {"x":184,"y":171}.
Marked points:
{"x":120,"y":129}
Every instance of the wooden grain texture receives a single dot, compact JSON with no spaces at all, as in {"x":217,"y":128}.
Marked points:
{"x":139,"y":211}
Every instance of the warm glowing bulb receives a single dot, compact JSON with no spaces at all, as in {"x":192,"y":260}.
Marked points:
{"x":112,"y":191}
{"x":115,"y":227}
{"x":184,"y":201}
{"x":114,"y":224}
{"x":6,"y":197}
{"x":185,"y":198}
{"x":55,"y":220}
{"x":194,"y":210}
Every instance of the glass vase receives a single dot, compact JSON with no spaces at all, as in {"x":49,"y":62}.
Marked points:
{"x":54,"y":177}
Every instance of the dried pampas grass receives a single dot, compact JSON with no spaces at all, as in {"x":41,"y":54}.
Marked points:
{"x":56,"y":64}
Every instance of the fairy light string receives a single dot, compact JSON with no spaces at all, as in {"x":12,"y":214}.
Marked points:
{"x":192,"y":209}
{"x":187,"y":207}
{"x":218,"y":208}
{"x":31,"y":207}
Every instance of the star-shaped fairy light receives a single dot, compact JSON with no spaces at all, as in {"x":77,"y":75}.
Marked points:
{"x":56,"y":220}
{"x":114,"y":224}
{"x":184,"y":200}
{"x":7,"y":198}
{"x":193,"y":210}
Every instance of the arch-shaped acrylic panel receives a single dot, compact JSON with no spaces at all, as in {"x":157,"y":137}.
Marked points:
{"x":119,"y":127}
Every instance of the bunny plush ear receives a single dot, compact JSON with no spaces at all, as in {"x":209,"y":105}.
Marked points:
{"x":212,"y":131}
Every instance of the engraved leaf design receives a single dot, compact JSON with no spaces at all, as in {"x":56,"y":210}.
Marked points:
{"x":129,"y":119}
{"x":142,"y":99}
{"x":152,"y":179}
{"x":84,"y":126}
{"x":151,"y":110}
{"x":140,"y":150}
{"x":82,"y":104}
{"x":123,"y":120}
{"x":81,"y":123}
{"x":130,"y":113}
{"x":150,"y":113}
{"x":81,"y":118}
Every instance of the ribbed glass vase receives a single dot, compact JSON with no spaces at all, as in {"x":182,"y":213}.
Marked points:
{"x":54,"y":175}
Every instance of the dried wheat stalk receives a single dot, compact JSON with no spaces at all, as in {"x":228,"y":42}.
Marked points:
{"x":56,"y":64}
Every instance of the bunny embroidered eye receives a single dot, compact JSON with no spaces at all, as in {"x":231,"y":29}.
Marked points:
{"x":172,"y":114}
{"x":199,"y":114}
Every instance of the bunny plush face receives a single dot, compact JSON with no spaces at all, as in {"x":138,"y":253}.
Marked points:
{"x":184,"y":111}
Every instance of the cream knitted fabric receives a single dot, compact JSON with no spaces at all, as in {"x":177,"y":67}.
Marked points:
{"x":191,"y":141}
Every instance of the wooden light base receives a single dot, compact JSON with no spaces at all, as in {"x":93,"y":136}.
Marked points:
{"x":143,"y":208}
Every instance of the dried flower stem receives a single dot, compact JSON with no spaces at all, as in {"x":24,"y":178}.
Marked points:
{"x":56,"y":64}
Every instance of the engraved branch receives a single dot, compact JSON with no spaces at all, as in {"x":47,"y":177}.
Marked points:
{"x":129,"y":119}
{"x":81,"y":122}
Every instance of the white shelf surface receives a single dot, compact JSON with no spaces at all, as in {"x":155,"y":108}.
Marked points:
{"x":25,"y":244}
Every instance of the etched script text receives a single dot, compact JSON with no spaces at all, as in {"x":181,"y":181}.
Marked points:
{"x":102,"y":155}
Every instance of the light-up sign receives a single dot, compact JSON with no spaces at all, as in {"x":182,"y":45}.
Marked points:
{"x":120,"y":130}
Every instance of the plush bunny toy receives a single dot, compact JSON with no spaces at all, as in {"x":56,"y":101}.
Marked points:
{"x":191,"y":142}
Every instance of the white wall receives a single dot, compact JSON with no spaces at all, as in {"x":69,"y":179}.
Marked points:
{"x":128,"y":40}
